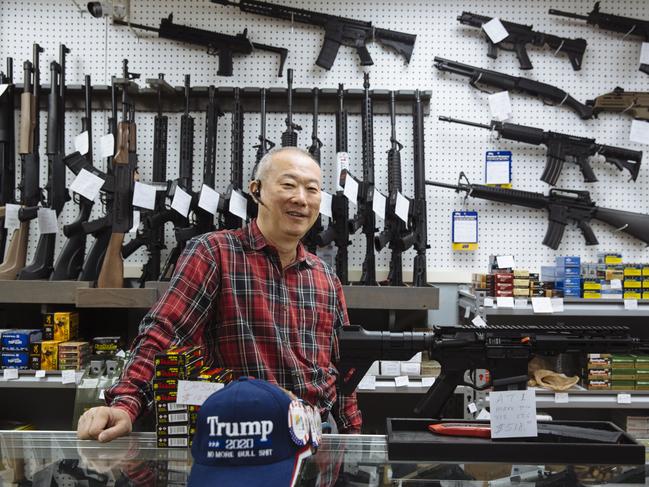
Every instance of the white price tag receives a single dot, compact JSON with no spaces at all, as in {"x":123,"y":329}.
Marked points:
{"x":390,"y":367}
{"x":479,"y":322}
{"x":488,"y":302}
{"x":472,"y":408}
{"x":616,"y":284}
{"x":542,"y":305}
{"x":402,"y":381}
{"x":68,"y":377}
{"x":136,"y":222}
{"x":402,"y":207}
{"x":40,"y":374}
{"x":644,"y":53}
{"x":82,"y":143}
{"x":483,"y":415}
{"x":378,"y":204}
{"x":101,"y":394}
{"x":351,"y":189}
{"x":107,"y":145}
{"x":520,"y":303}
{"x":427,"y":381}
{"x":325,"y":204}
{"x":238,"y":205}
{"x":367,"y":383}
{"x":624,"y":398}
{"x":47,"y":221}
{"x":195,"y":393}
{"x":505,"y":302}
{"x":10,"y":374}
{"x":3,"y":88}
{"x":209,"y":199}
{"x":144,"y":195}
{"x":182,"y":201}
{"x":495,"y":30}
{"x":498,"y":171}
{"x":513,"y":414}
{"x":87,"y":184}
{"x":410,"y":368}
{"x":500,"y":105}
{"x":630,"y":304}
{"x":121,"y":354}
{"x":505,"y":262}
{"x":11,"y":216}
{"x":557,"y":305}
{"x":561,"y":398}
{"x":90,"y":383}
{"x":639,"y":132}
{"x":342,"y":164}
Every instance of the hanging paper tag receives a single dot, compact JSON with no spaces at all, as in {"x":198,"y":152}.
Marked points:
{"x":182,"y":201}
{"x":3,"y":88}
{"x":402,"y":207}
{"x":379,"y":204}
{"x":47,"y":221}
{"x":644,"y":53}
{"x":495,"y":30}
{"x":11,"y":216}
{"x":465,"y":230}
{"x":513,"y":414}
{"x":342,"y":164}
{"x":136,"y":222}
{"x":87,"y":184}
{"x":479,"y":322}
{"x":639,"y":132}
{"x":505,"y":261}
{"x":351,"y":189}
{"x":238,"y":205}
{"x":107,"y":146}
{"x":325,"y":204}
{"x":500,"y":105}
{"x":498,"y":167}
{"x":144,"y":195}
{"x":209,"y":199}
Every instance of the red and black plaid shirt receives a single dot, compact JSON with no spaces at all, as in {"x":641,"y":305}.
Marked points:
{"x":230,"y":295}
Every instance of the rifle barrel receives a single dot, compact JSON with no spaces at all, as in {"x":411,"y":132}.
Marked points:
{"x":444,"y":185}
{"x":570,"y":15}
{"x":465,"y":122}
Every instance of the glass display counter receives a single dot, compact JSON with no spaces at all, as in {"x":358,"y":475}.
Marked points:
{"x":49,"y":459}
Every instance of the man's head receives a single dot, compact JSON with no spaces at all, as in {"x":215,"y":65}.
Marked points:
{"x":287,"y":188}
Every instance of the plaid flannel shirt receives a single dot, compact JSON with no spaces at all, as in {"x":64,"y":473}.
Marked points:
{"x":230,"y":295}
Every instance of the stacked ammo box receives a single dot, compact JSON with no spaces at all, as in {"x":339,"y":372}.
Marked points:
{"x":16,"y":345}
{"x":618,"y":372}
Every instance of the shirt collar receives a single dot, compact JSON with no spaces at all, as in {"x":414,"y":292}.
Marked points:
{"x":257,"y":241}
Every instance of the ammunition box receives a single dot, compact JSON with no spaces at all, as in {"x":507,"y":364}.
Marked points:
{"x":598,"y":384}
{"x":645,"y":270}
{"x":521,"y":282}
{"x":173,"y":442}
{"x":623,"y":385}
{"x":106,"y":345}
{"x":632,"y":284}
{"x":623,"y":374}
{"x":645,"y":284}
{"x":632,"y":270}
{"x":567,"y":261}
{"x":614,"y":259}
{"x":172,"y":407}
{"x":165,"y":384}
{"x":48,"y":326}
{"x":642,"y":385}
{"x":592,"y":295}
{"x":166,"y":396}
{"x":524,"y":292}
{"x":645,"y":295}
{"x":178,"y":356}
{"x":49,"y":354}
{"x":15,"y":360}
{"x":632,"y":295}
{"x":66,"y":325}
{"x":521,"y":273}
{"x":621,"y":361}
{"x":599,"y":374}
{"x":19,"y":340}
{"x":170,"y":418}
{"x":34,"y":362}
{"x":215,"y":375}
{"x":183,"y":371}
{"x":175,"y":430}
{"x":592,"y":284}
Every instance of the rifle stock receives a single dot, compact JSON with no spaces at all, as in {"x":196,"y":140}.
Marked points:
{"x":112,"y":268}
{"x":16,"y":254}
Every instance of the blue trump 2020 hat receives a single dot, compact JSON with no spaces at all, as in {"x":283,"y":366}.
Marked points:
{"x":252,"y":433}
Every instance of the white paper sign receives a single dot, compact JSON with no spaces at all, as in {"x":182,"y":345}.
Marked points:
{"x":479,"y":322}
{"x":427,"y":381}
{"x":488,"y":302}
{"x":520,"y":303}
{"x":107,"y":146}
{"x":402,"y":381}
{"x":505,"y":302}
{"x":367,"y":383}
{"x":630,"y":304}
{"x":624,"y":398}
{"x":483,"y":415}
{"x":542,"y":305}
{"x":500,"y":105}
{"x":557,"y":305}
{"x":10,"y":374}
{"x":644,"y":53}
{"x":182,"y":201}
{"x":47,"y":221}
{"x":325,"y":204}
{"x":561,"y":397}
{"x":101,"y":394}
{"x":238,"y":205}
{"x":513,"y":414}
{"x":465,"y":230}
{"x":342,"y":163}
{"x":351,"y":189}
{"x":87,"y":184}
{"x":3,"y":88}
{"x":616,"y":284}
{"x":136,"y":222}
{"x":390,"y":367}
{"x":378,"y":204}
{"x":11,"y":216}
{"x":497,"y":172}
{"x":82,"y":143}
{"x":40,"y":374}
{"x":195,"y":393}
{"x":410,"y":368}
{"x":495,"y":30}
{"x":505,"y":262}
{"x":144,"y":195}
{"x":639,"y":132}
{"x":209,"y":199}
{"x":68,"y":377}
{"x":402,"y":207}
{"x":472,"y":408}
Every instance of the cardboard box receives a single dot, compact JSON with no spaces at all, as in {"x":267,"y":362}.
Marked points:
{"x":66,"y":325}
{"x":19,"y":340}
{"x":15,"y":360}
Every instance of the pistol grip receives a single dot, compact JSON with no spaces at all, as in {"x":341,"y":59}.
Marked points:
{"x":523,"y":58}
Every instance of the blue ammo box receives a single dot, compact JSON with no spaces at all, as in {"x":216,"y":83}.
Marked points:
{"x":19,"y":340}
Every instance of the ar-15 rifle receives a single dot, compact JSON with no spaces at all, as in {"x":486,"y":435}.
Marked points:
{"x":519,"y":36}
{"x":57,"y":193}
{"x":310,"y":240}
{"x":635,"y":103}
{"x":338,"y":229}
{"x":338,"y":31}
{"x":562,"y":148}
{"x":289,"y":136}
{"x":547,"y":93}
{"x":614,"y":23}
{"x":222,"y":45}
{"x":7,"y":149}
{"x":563,"y":205}
{"x":70,"y":259}
{"x":503,"y":350}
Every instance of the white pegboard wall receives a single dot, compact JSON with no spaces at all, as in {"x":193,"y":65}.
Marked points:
{"x":97,"y":48}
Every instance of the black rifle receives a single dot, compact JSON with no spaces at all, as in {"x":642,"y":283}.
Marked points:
{"x":365,"y":217}
{"x":394,"y":227}
{"x":310,"y":240}
{"x":338,"y":31}
{"x":338,"y":229}
{"x":519,"y":36}
{"x":57,"y":193}
{"x":7,"y":148}
{"x":503,"y":350}
{"x":563,"y":206}
{"x":263,"y":147}
{"x":547,"y":93}
{"x":614,"y":23}
{"x":289,"y":136}
{"x":563,"y":148}
{"x":70,"y":259}
{"x":222,"y":45}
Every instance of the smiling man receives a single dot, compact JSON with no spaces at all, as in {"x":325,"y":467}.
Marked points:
{"x":254,"y":299}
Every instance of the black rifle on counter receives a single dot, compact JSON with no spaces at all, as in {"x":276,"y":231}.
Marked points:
{"x":502,"y":350}
{"x":564,"y":148}
{"x":57,"y":194}
{"x":70,"y":260}
{"x":224,"y":46}
{"x":338,"y":31}
{"x":564,"y":206}
{"x":310,"y":240}
{"x":614,"y":23}
{"x":519,"y":36}
{"x":548,"y":94}
{"x":394,"y":227}
{"x":289,"y":136}
{"x":338,"y":229}
{"x":7,"y":150}
{"x":365,"y":217}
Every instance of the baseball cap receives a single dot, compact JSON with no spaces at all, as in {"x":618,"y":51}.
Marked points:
{"x":252,"y":433}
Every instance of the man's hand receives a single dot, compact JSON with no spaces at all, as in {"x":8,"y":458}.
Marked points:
{"x":104,"y":424}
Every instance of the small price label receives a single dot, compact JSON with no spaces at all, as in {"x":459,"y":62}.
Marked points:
{"x":561,"y":398}
{"x":624,"y":398}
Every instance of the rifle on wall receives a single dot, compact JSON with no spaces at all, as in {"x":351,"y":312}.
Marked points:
{"x":635,"y":103}
{"x":263,"y":147}
{"x":7,"y":150}
{"x":310,"y":240}
{"x":289,"y":136}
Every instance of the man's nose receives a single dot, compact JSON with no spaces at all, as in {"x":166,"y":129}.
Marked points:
{"x":300,"y":195}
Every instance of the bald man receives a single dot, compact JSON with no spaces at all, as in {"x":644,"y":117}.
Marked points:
{"x":254,"y":299}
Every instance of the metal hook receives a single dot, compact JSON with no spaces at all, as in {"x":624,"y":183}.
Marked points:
{"x":630,"y":31}
{"x":560,"y":46}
